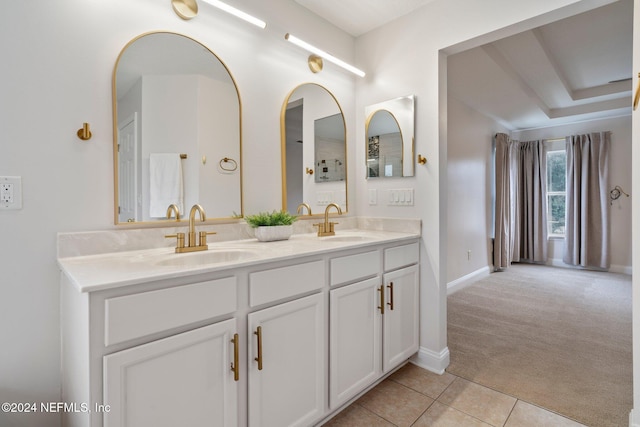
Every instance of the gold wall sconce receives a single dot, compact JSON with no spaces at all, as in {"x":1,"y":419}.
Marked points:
{"x":315,"y":63}
{"x":309,"y":171}
{"x":636,"y":98}
{"x":84,"y":133}
{"x":185,"y":9}
{"x":422,"y":160}
{"x":323,"y":55}
{"x":188,"y":9}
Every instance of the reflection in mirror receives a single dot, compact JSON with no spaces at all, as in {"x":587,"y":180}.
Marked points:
{"x":390,"y":134}
{"x":176,"y":130}
{"x":314,"y":159}
{"x":329,"y":148}
{"x":384,"y":145}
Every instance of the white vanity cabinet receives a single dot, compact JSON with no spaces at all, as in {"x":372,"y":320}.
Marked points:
{"x":282,"y":340}
{"x":184,"y":380}
{"x":373,"y":322}
{"x":287,"y":363}
{"x":151,"y":354}
{"x":400,"y":318}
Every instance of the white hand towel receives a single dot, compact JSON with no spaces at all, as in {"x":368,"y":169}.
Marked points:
{"x":165,"y":183}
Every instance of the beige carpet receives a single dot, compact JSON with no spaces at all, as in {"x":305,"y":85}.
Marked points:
{"x":554,"y":337}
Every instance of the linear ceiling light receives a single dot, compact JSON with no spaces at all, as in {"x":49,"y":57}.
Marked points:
{"x":321,"y":53}
{"x":237,"y":13}
{"x":188,"y":9}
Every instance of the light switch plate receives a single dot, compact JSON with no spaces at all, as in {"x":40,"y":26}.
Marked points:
{"x":10,"y":192}
{"x":373,"y":197}
{"x":401,"y":197}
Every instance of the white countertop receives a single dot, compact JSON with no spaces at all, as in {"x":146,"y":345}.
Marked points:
{"x":109,"y":270}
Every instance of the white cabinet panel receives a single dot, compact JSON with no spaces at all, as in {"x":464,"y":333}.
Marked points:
{"x":355,"y":340}
{"x":400,"y":326}
{"x":289,"y":390}
{"x":134,"y":316}
{"x":401,"y":256}
{"x":354,"y":267}
{"x":284,"y":282}
{"x":183,"y":380}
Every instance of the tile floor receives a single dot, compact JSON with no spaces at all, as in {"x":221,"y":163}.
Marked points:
{"x":415,"y":397}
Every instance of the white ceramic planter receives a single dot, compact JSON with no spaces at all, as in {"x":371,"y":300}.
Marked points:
{"x":270,"y":234}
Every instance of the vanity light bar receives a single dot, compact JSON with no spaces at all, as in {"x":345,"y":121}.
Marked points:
{"x":237,"y":13}
{"x":321,"y":53}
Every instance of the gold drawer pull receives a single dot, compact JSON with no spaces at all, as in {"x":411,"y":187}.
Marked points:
{"x":381,"y":306}
{"x":258,"y":359}
{"x":235,"y":367}
{"x":390,"y":303}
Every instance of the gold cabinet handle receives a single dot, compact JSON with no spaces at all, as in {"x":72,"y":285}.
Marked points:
{"x":381,"y":306}
{"x":390,"y":303}
{"x":636,"y":98}
{"x":258,"y":359}
{"x":235,"y":367}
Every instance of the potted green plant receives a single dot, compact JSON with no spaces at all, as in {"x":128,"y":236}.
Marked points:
{"x":270,"y":226}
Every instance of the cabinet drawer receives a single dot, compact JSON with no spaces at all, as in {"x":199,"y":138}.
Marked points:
{"x":278,"y":283}
{"x":401,"y":256}
{"x":354,"y":267}
{"x":134,"y":316}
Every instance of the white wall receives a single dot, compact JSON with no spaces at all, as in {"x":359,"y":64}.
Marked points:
{"x":408,"y":56}
{"x":469,"y":189}
{"x":634,"y":418}
{"x":57,"y":61}
{"x":619,"y":174}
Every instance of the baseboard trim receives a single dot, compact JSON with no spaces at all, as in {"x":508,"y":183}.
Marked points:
{"x":467,"y":280}
{"x":435,"y":362}
{"x":614,"y":268}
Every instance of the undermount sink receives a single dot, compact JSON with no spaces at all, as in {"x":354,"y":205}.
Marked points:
{"x":345,"y":238}
{"x":206,"y":257}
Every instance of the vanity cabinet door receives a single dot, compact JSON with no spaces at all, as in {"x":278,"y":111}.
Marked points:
{"x":400,"y":320}
{"x":287,"y":363}
{"x":355,"y":339}
{"x":183,"y":380}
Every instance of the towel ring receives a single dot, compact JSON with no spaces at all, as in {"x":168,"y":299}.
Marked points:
{"x":224,"y":160}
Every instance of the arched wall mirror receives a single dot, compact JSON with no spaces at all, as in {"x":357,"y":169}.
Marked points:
{"x":389,"y":130}
{"x":177,"y":130}
{"x":314,"y":150}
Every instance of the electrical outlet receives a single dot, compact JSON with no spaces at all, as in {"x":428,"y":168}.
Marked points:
{"x":6,"y":193}
{"x":10,"y":192}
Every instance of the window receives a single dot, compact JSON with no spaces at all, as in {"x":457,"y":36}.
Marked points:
{"x":556,"y":190}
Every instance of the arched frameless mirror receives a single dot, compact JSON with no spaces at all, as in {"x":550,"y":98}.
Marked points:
{"x":314,"y":150}
{"x":389,"y":130}
{"x":177,"y":137}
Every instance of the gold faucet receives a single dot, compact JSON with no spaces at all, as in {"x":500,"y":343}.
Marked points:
{"x":304,"y":205}
{"x":326,"y":228}
{"x":173,"y":209}
{"x":192,"y":245}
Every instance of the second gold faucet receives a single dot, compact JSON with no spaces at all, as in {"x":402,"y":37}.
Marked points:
{"x":326,"y":228}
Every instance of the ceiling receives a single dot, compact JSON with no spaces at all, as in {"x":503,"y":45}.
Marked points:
{"x":571,"y":70}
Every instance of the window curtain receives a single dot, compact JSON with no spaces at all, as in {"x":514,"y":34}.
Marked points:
{"x":502,"y":244}
{"x":587,"y":222}
{"x":521,"y":202}
{"x":529,"y":186}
